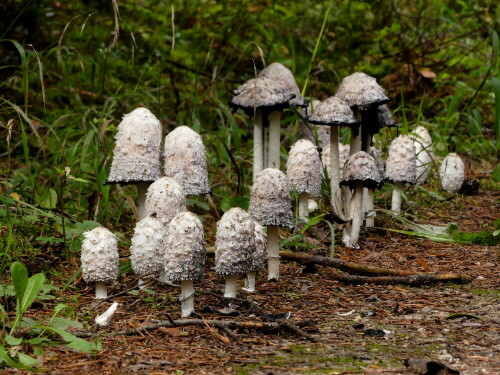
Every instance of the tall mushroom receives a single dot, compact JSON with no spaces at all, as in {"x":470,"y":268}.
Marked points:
{"x":400,"y":167}
{"x":360,"y":171}
{"x":257,"y":258}
{"x":100,"y":259}
{"x":136,"y":157}
{"x":185,"y":254}
{"x":303,"y":169}
{"x":185,"y":160}
{"x":270,"y":206}
{"x":451,"y":173}
{"x":234,"y":245}
{"x":423,"y":143}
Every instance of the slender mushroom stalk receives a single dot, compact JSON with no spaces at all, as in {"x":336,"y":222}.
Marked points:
{"x":270,"y":206}
{"x":231,"y":286}
{"x":250,"y":282}
{"x":258,"y":257}
{"x":258,"y":144}
{"x":185,"y":255}
{"x":357,"y":218}
{"x":396,"y":197}
{"x":100,"y":259}
{"x":368,"y":194}
{"x":452,"y":173}
{"x":304,"y":207}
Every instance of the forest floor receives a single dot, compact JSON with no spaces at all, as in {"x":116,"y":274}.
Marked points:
{"x":358,"y":329}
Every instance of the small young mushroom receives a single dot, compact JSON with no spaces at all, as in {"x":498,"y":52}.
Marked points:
{"x":451,"y":173}
{"x":423,"y":148}
{"x":185,"y":160}
{"x":147,"y":248}
{"x":360,"y":171}
{"x":136,"y":157}
{"x":185,"y":254}
{"x":258,"y":257}
{"x":401,"y":167}
{"x":303,"y":169}
{"x":100,"y":259}
{"x":234,"y":246}
{"x":270,"y":206}
{"x":165,"y":199}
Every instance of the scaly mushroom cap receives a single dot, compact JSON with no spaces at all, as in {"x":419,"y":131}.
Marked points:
{"x":401,"y":164}
{"x":270,"y":202}
{"x":164,"y":199}
{"x":234,"y":243}
{"x":136,"y":157}
{"x":184,"y":248}
{"x":379,"y":162}
{"x":99,"y":256}
{"x":451,"y":173}
{"x":361,"y":91}
{"x":332,"y":112}
{"x":309,"y":131}
{"x":422,"y":138}
{"x":343,"y":157}
{"x":185,"y":160}
{"x":282,"y":74}
{"x":146,"y":252}
{"x":361,"y":167}
{"x":303,"y":167}
{"x":259,"y":256}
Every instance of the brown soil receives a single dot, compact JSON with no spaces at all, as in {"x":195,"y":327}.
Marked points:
{"x":418,"y":321}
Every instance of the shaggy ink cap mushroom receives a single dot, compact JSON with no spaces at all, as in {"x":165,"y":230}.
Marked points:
{"x":361,"y":168}
{"x":258,"y":257}
{"x":303,"y":167}
{"x":270,"y":202}
{"x":147,"y":247}
{"x":136,"y":157}
{"x":401,"y":163}
{"x":282,"y":74}
{"x":332,"y":112}
{"x":381,"y":118}
{"x":451,"y":172}
{"x":185,"y":160}
{"x":99,"y":259}
{"x":165,"y":199}
{"x":361,"y":91}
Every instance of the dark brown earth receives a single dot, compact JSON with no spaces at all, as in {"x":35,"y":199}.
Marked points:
{"x":419,"y":322}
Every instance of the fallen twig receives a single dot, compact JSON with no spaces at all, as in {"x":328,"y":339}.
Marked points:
{"x":413,"y":280}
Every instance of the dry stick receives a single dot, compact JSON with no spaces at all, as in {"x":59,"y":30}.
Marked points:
{"x":413,"y":280}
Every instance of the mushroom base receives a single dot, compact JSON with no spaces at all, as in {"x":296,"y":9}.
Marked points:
{"x":231,"y":286}
{"x":396,"y":198}
{"x":101,"y":290}
{"x":273,"y":256}
{"x":303,"y":207}
{"x":187,"y":298}
{"x":250,"y":282}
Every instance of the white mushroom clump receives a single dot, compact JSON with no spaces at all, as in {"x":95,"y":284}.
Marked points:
{"x":147,"y":248}
{"x":234,"y":246}
{"x":451,"y":173}
{"x":258,"y":257}
{"x":303,"y":169}
{"x":100,"y":259}
{"x":165,"y":199}
{"x":185,"y":160}
{"x":423,"y":143}
{"x":185,"y":255}
{"x":401,"y":167}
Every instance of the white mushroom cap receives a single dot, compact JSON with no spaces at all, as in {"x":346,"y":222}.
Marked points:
{"x":165,"y":199}
{"x":333,"y":111}
{"x":234,"y":243}
{"x":361,"y":167}
{"x":361,"y":91}
{"x":185,"y":160}
{"x":401,"y":164}
{"x":184,"y":248}
{"x":422,"y":138}
{"x":146,"y":252}
{"x":343,"y":157}
{"x":282,"y":74}
{"x":423,"y":148}
{"x":259,"y":257}
{"x":99,"y":256}
{"x":136,"y":157}
{"x":303,"y":167}
{"x":452,"y":173}
{"x":270,"y":202}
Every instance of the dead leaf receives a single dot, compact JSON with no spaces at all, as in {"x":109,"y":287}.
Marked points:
{"x":429,"y":74}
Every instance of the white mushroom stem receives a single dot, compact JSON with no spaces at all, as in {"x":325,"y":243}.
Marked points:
{"x":368,"y":207}
{"x":396,"y":197}
{"x":231,"y":286}
{"x":101,"y":290}
{"x":335,"y":173}
{"x":142,"y":188}
{"x":141,"y":283}
{"x":250,"y":282}
{"x":304,"y":207}
{"x":258,"y":144}
{"x":273,"y":255}
{"x":357,"y":218}
{"x":187,"y":298}
{"x":103,"y":319}
{"x":273,"y":153}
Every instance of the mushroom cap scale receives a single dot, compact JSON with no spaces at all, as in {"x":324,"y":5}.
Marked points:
{"x":185,"y":160}
{"x":332,"y":112}
{"x":234,"y":243}
{"x":422,"y":138}
{"x":451,"y":172}
{"x":361,"y":168}
{"x":303,"y":167}
{"x":259,"y":256}
{"x":361,"y":91}
{"x":282,"y":74}
{"x":401,"y":164}
{"x":164,"y":199}
{"x":99,"y":256}
{"x":147,"y":249}
{"x":185,"y":253}
{"x":136,"y":157}
{"x":270,"y":202}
